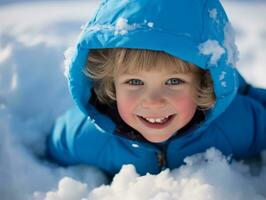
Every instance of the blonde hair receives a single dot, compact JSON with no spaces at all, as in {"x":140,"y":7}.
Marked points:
{"x":104,"y":64}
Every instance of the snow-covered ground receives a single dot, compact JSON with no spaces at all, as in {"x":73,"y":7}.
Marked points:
{"x":33,"y":92}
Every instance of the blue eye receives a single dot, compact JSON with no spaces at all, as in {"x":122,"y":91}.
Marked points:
{"x":135,"y":82}
{"x":174,"y":81}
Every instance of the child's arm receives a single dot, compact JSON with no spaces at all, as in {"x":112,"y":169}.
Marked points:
{"x":244,"y":126}
{"x":76,"y":139}
{"x":60,"y":141}
{"x":247,"y":89}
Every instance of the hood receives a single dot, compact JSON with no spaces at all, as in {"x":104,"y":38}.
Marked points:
{"x":197,"y":31}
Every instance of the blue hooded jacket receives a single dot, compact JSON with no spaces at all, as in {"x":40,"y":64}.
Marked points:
{"x":197,"y":31}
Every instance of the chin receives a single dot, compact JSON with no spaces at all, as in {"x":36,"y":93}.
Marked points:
{"x":157,"y":139}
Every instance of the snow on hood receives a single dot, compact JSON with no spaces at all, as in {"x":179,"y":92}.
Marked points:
{"x":200,"y":34}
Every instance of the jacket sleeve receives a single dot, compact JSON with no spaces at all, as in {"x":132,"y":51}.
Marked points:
{"x":244,"y":126}
{"x":258,"y":94}
{"x":75,"y":134}
{"x":60,"y":143}
{"x":77,"y":139}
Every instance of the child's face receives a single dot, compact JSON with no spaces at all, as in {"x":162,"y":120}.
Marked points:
{"x":155,"y":103}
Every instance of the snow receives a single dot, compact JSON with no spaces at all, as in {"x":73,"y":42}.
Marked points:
{"x":247,"y":17}
{"x":222,"y":76}
{"x":150,"y":24}
{"x":215,"y":50}
{"x":212,"y":48}
{"x":65,"y":188}
{"x":67,"y":61}
{"x":230,"y":45}
{"x":205,"y":176}
{"x":33,"y":38}
{"x":213,"y":14}
{"x":121,"y":27}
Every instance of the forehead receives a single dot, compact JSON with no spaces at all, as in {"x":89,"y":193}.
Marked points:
{"x":166,"y":72}
{"x":157,"y":65}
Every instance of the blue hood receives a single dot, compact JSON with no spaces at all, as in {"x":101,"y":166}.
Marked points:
{"x":197,"y":31}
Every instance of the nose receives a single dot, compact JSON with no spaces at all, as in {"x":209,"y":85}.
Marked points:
{"x":153,"y":99}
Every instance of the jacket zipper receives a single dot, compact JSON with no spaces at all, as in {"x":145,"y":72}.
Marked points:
{"x":161,"y":156}
{"x":161,"y":160}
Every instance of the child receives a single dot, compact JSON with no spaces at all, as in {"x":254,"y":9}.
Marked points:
{"x":154,"y":82}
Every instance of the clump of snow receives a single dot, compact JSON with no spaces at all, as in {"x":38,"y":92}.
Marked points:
{"x":135,"y":145}
{"x":68,"y":186}
{"x":122,"y":27}
{"x":68,"y":57}
{"x":221,"y":78}
{"x":230,"y":45}
{"x":99,"y":27}
{"x":213,"y":14}
{"x":150,"y":24}
{"x":5,"y":52}
{"x":222,"y":75}
{"x":212,"y":48}
{"x":68,"y":189}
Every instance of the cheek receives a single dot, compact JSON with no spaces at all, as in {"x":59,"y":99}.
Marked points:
{"x":185,"y":105}
{"x":125,"y":104}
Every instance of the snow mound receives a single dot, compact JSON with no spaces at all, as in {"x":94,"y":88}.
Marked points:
{"x":205,"y":176}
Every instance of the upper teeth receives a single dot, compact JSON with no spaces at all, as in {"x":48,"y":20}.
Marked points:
{"x":158,"y":120}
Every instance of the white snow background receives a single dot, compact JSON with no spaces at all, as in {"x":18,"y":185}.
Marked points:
{"x":33,"y":92}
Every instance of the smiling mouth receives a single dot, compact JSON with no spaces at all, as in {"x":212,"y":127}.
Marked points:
{"x":156,"y":123}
